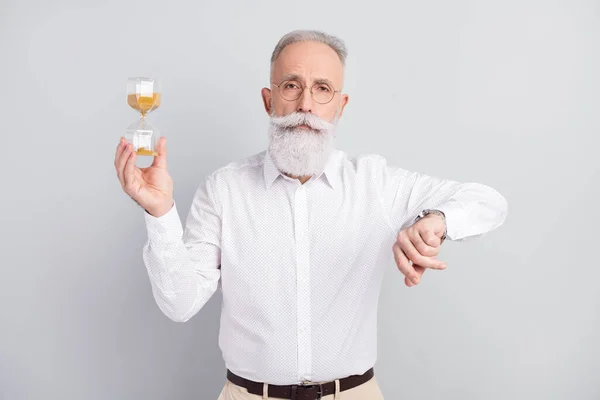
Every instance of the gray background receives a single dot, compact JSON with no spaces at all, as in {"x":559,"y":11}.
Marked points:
{"x":504,"y":93}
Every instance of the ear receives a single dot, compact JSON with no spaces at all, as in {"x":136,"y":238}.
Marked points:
{"x":267,"y":97}
{"x":343,"y":101}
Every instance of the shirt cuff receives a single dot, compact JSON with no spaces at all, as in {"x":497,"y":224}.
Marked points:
{"x":455,"y":216}
{"x":167,"y":227}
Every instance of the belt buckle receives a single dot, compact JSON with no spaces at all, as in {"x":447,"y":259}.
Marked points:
{"x":310,"y":385}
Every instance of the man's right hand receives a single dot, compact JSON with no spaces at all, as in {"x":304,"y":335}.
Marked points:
{"x":150,"y":187}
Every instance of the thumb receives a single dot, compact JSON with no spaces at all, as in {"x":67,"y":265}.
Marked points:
{"x":160,"y":160}
{"x":431,"y":238}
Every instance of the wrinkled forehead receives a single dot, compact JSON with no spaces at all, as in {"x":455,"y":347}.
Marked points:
{"x":309,"y":61}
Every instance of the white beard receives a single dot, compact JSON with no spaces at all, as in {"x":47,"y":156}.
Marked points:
{"x":297,"y":151}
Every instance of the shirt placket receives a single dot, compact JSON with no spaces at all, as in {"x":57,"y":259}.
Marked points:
{"x":303,"y":286}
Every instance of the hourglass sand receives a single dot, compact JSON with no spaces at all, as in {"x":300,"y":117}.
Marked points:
{"x":143,"y":95}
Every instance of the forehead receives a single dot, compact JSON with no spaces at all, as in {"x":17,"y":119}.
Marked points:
{"x":309,"y":60}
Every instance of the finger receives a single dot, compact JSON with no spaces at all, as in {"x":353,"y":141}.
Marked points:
{"x":422,"y":247}
{"x":128,"y":173}
{"x":160,"y":160}
{"x":122,"y":160}
{"x":403,"y":264}
{"x":420,"y":271}
{"x":413,"y":255}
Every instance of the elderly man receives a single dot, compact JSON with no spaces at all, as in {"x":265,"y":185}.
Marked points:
{"x":297,"y":237}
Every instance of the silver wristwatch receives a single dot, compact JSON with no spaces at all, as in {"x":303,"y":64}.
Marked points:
{"x":437,"y":212}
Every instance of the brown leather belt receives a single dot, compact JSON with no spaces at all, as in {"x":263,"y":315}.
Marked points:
{"x":311,"y":391}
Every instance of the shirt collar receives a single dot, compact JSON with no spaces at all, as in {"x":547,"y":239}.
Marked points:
{"x":331,"y":170}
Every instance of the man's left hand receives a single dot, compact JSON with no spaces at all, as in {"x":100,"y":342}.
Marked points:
{"x":419,"y":244}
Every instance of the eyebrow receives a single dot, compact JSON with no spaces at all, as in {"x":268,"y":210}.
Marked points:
{"x":294,"y":77}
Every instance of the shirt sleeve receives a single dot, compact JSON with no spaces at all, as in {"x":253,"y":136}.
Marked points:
{"x":184,"y":265}
{"x":471,"y":209}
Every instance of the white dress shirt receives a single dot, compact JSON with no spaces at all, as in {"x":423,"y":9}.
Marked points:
{"x":300,"y":265}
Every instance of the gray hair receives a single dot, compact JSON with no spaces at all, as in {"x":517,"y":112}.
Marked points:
{"x":335,"y":43}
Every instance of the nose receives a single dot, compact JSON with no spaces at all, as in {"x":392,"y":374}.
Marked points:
{"x":305,"y":102}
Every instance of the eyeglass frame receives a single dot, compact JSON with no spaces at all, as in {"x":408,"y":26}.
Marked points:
{"x":304,"y":88}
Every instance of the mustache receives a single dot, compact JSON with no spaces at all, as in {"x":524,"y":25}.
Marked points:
{"x":295,"y":119}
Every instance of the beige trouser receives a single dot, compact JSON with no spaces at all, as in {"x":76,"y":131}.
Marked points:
{"x":367,"y":391}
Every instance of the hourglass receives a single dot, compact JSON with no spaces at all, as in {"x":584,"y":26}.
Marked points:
{"x":143,"y":95}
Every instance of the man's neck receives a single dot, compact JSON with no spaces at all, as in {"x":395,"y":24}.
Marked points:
{"x":302,"y":179}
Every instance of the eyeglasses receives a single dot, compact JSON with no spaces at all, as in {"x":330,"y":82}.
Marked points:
{"x":291,"y":90}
